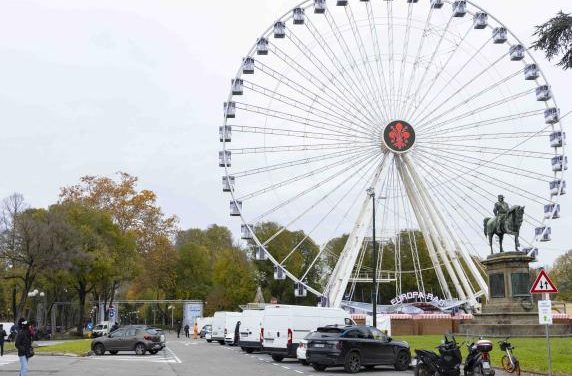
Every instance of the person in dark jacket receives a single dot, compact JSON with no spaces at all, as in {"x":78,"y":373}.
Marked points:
{"x":24,"y":345}
{"x":2,"y":335}
{"x":187,"y":328}
{"x":236,"y":334}
{"x":179,"y":327}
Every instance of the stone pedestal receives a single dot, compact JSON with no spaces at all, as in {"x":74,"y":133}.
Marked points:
{"x":510,"y":310}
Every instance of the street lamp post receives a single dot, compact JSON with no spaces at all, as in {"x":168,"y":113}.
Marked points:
{"x":172,"y":308}
{"x":371,"y":193}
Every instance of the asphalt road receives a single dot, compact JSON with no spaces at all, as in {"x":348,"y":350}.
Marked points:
{"x":182,"y":357}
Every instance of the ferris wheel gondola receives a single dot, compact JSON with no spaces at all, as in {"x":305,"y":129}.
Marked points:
{"x":438,"y":109}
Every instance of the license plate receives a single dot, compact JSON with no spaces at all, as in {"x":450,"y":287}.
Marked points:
{"x":486,"y":365}
{"x":318,"y":345}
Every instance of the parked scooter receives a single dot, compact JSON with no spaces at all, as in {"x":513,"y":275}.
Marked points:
{"x":447,"y":363}
{"x":478,"y":361}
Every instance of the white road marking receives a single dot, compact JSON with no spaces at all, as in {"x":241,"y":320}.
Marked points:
{"x":8,"y":359}
{"x":285,"y":367}
{"x":298,"y":371}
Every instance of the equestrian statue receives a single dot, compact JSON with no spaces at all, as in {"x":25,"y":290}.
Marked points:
{"x":507,"y":220}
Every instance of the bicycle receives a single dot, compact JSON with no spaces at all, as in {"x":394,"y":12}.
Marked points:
{"x":509,"y":362}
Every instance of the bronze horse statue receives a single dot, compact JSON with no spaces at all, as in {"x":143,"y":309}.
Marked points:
{"x":511,"y":226}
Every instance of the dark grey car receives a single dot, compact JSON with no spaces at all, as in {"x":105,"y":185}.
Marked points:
{"x":132,"y":338}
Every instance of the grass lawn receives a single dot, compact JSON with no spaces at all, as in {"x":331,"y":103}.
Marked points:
{"x":531,"y":352}
{"x":78,"y":347}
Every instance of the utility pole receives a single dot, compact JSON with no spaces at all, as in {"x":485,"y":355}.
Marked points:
{"x":371,"y":193}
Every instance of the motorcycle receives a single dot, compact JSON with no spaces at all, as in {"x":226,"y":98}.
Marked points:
{"x":478,"y":362}
{"x":447,"y":363}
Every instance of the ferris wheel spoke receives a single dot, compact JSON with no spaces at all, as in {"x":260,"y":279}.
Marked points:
{"x":305,"y":121}
{"x":404,"y":55}
{"x":491,"y":180}
{"x":428,"y":66}
{"x":305,"y":73}
{"x":445,"y":146}
{"x":291,"y":148}
{"x":341,"y":86}
{"x":486,"y":136}
{"x":422,"y":108}
{"x":479,"y":110}
{"x":373,"y":83}
{"x":382,"y":82}
{"x":456,"y":128}
{"x":495,"y":166}
{"x":444,"y":67}
{"x":329,"y":178}
{"x":293,"y":133}
{"x":357,"y":94}
{"x":389,"y":7}
{"x":453,"y":177}
{"x":310,"y":174}
{"x":298,"y":162}
{"x":326,"y":103}
{"x":293,"y":103}
{"x":450,"y":109}
{"x":417,"y":61}
{"x":354,"y":66}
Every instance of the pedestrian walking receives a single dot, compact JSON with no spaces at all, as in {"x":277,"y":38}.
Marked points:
{"x":196,"y":331}
{"x":2,"y":335}
{"x":187,"y":331}
{"x":179,"y":327}
{"x":24,"y":345}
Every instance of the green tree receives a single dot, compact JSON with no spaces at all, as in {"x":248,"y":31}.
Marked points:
{"x":561,"y":272}
{"x":555,"y":39}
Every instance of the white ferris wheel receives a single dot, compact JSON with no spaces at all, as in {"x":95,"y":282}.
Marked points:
{"x":436,"y":105}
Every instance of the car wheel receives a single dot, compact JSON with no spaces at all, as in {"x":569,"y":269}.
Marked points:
{"x":277,"y":358}
{"x":422,"y":369}
{"x":153,"y":352}
{"x":113,"y":352}
{"x":353,"y":362}
{"x":249,"y":350}
{"x":304,"y":362}
{"x":209,"y":340}
{"x":402,"y":361}
{"x":221,"y":343}
{"x":98,"y":349}
{"x":319,"y":367}
{"x":140,"y":349}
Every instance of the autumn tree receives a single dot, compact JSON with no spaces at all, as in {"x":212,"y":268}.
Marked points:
{"x":555,"y":39}
{"x":562,"y":274}
{"x":134,"y":211}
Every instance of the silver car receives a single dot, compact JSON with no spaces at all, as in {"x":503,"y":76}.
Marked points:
{"x":131,"y":338}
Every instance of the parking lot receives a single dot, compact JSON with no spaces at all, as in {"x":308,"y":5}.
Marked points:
{"x":182,"y":357}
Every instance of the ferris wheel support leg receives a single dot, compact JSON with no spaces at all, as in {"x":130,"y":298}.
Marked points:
{"x":341,"y":274}
{"x":455,"y":249}
{"x":421,"y":219}
{"x":439,"y":223}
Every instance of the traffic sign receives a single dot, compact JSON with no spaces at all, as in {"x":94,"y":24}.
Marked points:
{"x":543,"y":285}
{"x":545,"y":312}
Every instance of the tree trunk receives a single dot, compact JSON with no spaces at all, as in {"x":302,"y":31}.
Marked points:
{"x":82,"y":293}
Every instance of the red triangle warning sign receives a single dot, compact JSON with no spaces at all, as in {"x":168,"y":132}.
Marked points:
{"x":543,"y":284}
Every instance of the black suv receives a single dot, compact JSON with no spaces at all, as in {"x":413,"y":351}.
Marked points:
{"x":353,"y":347}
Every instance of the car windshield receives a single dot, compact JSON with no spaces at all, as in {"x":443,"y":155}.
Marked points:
{"x":325,"y":332}
{"x":99,"y":327}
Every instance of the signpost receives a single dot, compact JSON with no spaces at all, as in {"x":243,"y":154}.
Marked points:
{"x":543,"y":285}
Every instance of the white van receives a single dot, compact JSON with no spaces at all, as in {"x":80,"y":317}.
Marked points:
{"x":101,"y":330}
{"x":284,"y":326}
{"x":223,"y":326}
{"x":250,"y":323}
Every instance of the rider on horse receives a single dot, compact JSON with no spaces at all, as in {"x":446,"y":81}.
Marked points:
{"x":500,"y":211}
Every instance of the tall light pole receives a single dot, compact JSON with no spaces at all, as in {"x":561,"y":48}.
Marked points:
{"x":172,"y":308}
{"x":371,"y":193}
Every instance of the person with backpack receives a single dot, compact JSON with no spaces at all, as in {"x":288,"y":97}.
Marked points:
{"x":23,"y":343}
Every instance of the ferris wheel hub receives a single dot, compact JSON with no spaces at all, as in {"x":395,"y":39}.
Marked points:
{"x":399,"y":136}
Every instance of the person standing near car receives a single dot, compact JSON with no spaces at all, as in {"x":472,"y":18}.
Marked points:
{"x":187,"y":328}
{"x":23,"y":343}
{"x":179,"y":327}
{"x":2,"y":335}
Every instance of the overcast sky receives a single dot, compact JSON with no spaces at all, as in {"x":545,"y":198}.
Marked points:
{"x":97,"y":86}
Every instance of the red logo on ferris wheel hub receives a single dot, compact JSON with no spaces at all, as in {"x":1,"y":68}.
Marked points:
{"x":399,"y":136}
